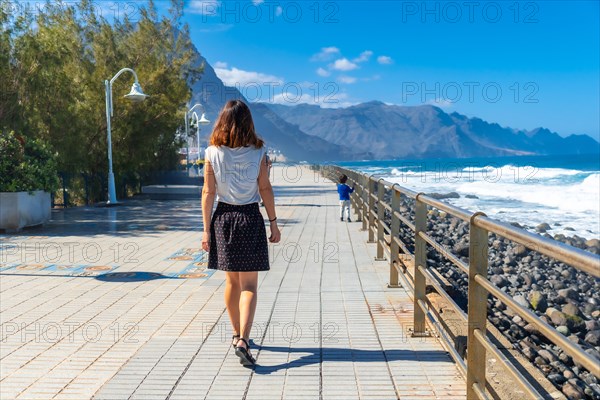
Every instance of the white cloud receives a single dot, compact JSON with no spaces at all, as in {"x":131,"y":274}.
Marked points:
{"x":384,"y":60}
{"x":326,"y":53}
{"x":339,"y":100}
{"x":239,"y":78}
{"x":291,"y":99}
{"x":303,"y":92}
{"x":212,"y":28}
{"x":375,"y":77}
{"x":204,"y":7}
{"x":340,"y":104}
{"x":364,"y":56}
{"x":323,"y":72}
{"x":347,"y":79}
{"x":442,"y":103}
{"x":220,"y":64}
{"x":343,"y":64}
{"x":278,"y":11}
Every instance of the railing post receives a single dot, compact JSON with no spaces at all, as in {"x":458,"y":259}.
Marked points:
{"x":395,"y":230}
{"x":371,"y":203}
{"x":357,"y":189}
{"x":351,"y":182}
{"x":477,"y":307}
{"x":365,"y":201}
{"x":420,"y":259}
{"x":380,"y":219}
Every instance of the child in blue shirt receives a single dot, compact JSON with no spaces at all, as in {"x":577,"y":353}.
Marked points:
{"x":344,"y":192}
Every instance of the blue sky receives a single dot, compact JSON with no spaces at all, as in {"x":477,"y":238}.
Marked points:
{"x":521,"y":64}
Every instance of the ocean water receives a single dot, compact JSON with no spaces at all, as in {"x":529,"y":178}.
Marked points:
{"x":563,"y":191}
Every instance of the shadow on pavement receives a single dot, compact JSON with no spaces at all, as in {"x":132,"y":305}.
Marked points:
{"x":318,"y":354}
{"x":133,"y":276}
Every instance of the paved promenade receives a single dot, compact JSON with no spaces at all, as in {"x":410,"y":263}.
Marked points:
{"x":116,"y":304}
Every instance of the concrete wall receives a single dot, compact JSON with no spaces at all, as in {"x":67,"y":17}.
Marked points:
{"x":20,"y":209}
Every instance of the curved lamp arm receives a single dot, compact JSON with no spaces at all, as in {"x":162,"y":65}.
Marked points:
{"x":197,"y":105}
{"x":124,"y":70}
{"x":192,"y":112}
{"x":110,"y":83}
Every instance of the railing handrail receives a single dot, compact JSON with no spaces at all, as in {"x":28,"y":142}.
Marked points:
{"x":365,"y":200}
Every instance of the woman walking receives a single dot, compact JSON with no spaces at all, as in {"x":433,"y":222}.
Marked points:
{"x":235,"y":237}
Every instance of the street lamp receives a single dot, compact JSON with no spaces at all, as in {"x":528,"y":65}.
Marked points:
{"x":135,"y":95}
{"x":199,"y":121}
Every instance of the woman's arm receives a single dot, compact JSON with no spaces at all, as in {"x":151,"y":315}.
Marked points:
{"x":209,"y":191}
{"x":266,"y":193}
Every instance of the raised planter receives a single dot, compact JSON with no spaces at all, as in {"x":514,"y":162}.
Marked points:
{"x":172,"y":192}
{"x":21,"y":209}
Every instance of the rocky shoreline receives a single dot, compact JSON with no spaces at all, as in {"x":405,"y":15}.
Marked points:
{"x":562,"y":296}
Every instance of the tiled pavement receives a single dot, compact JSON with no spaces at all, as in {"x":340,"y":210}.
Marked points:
{"x":326,"y":327}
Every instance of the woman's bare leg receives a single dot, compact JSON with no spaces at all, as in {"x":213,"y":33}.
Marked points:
{"x":232,"y":299}
{"x":247,"y":306}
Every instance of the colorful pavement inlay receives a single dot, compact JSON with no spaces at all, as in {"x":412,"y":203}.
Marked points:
{"x":60,"y":269}
{"x":197,"y":269}
{"x":15,"y":238}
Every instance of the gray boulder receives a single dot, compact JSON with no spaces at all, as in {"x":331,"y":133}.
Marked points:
{"x":571,"y":309}
{"x":572,"y":392}
{"x":558,"y":318}
{"x":499,"y":280}
{"x":548,"y":355}
{"x":593,"y":338}
{"x":440,"y":196}
{"x":542,"y":228}
{"x":521,"y":300}
{"x":538,"y":301}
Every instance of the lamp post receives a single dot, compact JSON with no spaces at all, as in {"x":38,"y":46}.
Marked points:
{"x":199,"y":121}
{"x":135,"y":95}
{"x":187,"y":150}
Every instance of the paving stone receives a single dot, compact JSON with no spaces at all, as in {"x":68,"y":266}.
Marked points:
{"x":325,"y":323}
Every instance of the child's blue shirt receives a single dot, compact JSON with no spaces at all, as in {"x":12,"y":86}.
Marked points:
{"x":344,"y":191}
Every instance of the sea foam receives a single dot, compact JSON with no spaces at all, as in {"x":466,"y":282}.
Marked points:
{"x":559,"y":196}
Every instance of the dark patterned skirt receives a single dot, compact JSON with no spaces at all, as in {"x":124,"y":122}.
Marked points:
{"x":238,"y":238}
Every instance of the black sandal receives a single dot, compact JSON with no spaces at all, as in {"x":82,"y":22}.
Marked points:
{"x":234,"y":344}
{"x":246,"y":358}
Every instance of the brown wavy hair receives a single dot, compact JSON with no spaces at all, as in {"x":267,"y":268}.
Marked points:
{"x":235,"y":127}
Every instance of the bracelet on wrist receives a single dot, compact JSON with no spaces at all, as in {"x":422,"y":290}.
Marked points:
{"x":274,"y":219}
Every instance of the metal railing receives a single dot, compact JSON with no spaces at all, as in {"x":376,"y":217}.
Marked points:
{"x":369,"y":204}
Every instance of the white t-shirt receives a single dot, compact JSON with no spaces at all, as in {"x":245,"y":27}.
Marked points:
{"x":236,"y":172}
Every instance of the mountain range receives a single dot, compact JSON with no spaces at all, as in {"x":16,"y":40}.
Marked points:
{"x":426,"y":131}
{"x":378,"y":131}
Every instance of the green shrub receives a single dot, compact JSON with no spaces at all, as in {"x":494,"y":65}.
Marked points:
{"x":26,"y":165}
